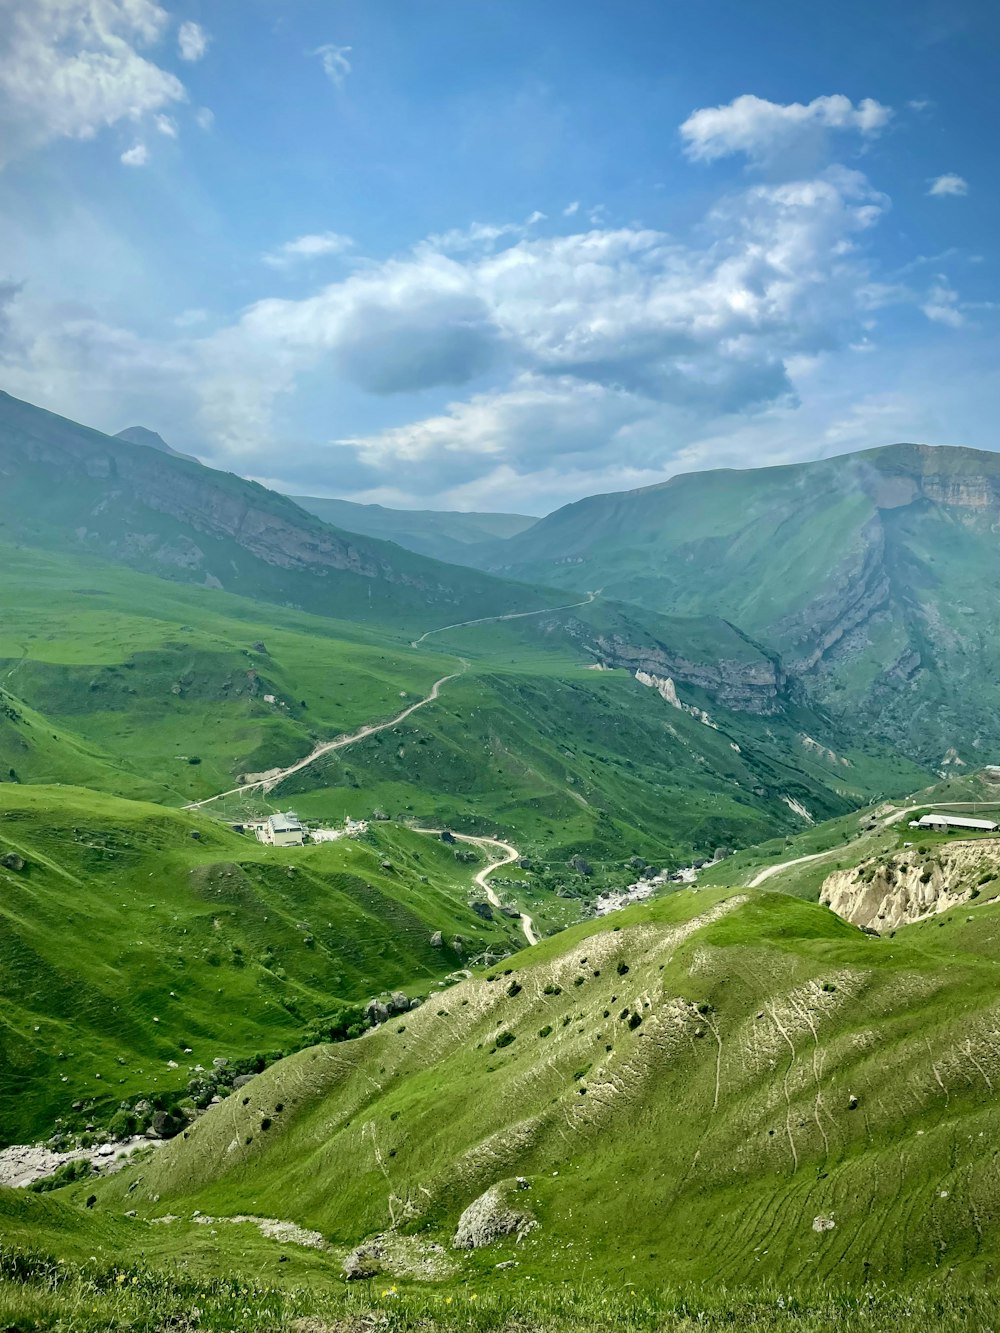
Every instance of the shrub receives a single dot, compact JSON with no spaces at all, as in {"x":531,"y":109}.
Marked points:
{"x":552,"y":989}
{"x":505,"y":1038}
{"x":514,"y":989}
{"x":622,"y":969}
{"x":546,"y":1031}
{"x":634,"y":1021}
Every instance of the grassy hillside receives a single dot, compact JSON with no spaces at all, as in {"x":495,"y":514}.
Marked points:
{"x":441,"y":534}
{"x":865,"y":573}
{"x":138,"y":942}
{"x":736,"y":1087}
{"x":73,"y":489}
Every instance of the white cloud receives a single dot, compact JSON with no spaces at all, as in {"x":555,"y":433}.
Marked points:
{"x":136,"y":156}
{"x":205,"y":118}
{"x":70,"y":68}
{"x":948,"y":184}
{"x":166,"y":125}
{"x":762,"y":130}
{"x":571,"y":209}
{"x":315,"y":246}
{"x":336,"y":65}
{"x":192,"y":41}
{"x":942,"y":304}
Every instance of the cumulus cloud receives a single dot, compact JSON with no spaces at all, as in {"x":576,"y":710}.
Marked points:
{"x":315,"y":246}
{"x":166,"y":125}
{"x":762,"y":130}
{"x":136,"y":156}
{"x":70,"y":68}
{"x":948,"y":184}
{"x":336,"y":65}
{"x":192,"y":41}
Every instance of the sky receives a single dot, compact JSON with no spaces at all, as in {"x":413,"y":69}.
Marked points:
{"x":500,"y":255}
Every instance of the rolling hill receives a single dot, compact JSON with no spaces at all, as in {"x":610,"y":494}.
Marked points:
{"x":724,"y":1086}
{"x":866,"y":574}
{"x":439,"y":533}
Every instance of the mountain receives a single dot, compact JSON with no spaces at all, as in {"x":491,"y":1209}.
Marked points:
{"x":71,"y":488}
{"x":150,"y":440}
{"x":442,"y":534}
{"x":866,"y":574}
{"x":723,"y":1087}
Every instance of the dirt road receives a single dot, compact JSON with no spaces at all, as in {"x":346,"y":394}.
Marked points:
{"x":511,"y":615}
{"x":509,"y":854}
{"x":272,"y":779}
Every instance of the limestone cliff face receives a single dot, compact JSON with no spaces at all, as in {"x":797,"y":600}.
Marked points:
{"x":756,"y":686}
{"x":887,"y":892}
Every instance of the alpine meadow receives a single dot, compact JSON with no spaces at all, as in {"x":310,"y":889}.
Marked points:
{"x":499,"y":667}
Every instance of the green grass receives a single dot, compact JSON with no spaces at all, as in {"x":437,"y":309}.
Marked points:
{"x":128,"y":943}
{"x":697,"y":1144}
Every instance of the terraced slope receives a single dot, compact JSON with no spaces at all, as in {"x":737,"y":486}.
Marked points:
{"x":724,"y":1086}
{"x":137,"y":943}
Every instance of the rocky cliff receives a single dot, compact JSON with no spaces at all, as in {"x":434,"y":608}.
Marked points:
{"x":891,"y":891}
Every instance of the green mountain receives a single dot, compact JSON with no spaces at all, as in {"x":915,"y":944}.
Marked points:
{"x":149,"y":439}
{"x":439,"y":533}
{"x":71,"y":488}
{"x":722,"y":1087}
{"x":866,"y":574}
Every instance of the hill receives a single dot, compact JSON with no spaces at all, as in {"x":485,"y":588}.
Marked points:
{"x":723,"y":1086}
{"x":439,"y":533}
{"x":865,"y":574}
{"x":138,"y":943}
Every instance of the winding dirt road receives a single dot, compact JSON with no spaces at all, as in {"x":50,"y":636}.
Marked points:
{"x":271,"y":780}
{"x":511,"y":615}
{"x":509,"y":854}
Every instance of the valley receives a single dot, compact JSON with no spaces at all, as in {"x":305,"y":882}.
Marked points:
{"x":423,"y":1058}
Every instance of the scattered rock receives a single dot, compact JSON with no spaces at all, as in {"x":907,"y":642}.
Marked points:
{"x":484,"y":910}
{"x":398,"y":1002}
{"x":376,"y":1011}
{"x":852,"y":1102}
{"x":365,"y":1261}
{"x":437,"y":940}
{"x":12,"y":861}
{"x":823,"y":1224}
{"x":491,"y":1217}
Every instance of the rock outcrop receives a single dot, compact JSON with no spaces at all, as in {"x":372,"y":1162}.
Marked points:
{"x":891,"y":891}
{"x":494,"y":1215}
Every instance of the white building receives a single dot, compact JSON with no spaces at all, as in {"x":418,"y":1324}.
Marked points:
{"x":939,"y":821}
{"x":284,"y":831}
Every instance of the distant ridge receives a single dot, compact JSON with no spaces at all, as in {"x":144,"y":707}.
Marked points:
{"x":149,"y":438}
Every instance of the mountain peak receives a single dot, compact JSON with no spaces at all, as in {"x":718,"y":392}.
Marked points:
{"x":151,"y":440}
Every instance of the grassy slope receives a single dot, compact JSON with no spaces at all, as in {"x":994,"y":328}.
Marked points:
{"x":701,"y":1143}
{"x":121,"y":917}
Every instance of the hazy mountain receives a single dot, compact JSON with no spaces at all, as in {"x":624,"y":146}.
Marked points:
{"x":67,"y":486}
{"x":869,"y":575}
{"x":151,"y":440}
{"x":443,"y":534}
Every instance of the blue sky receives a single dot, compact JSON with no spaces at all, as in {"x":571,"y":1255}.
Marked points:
{"x":496,"y":254}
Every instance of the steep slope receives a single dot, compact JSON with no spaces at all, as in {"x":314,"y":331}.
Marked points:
{"x":442,"y":534}
{"x":70,"y":488}
{"x":725,"y":1087}
{"x":137,"y":943}
{"x":866,"y":574}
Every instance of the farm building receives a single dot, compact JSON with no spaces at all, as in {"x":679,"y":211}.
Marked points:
{"x":939,"y":821}
{"x":284,"y":831}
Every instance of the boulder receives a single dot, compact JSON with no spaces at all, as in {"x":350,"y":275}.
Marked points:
{"x":447,"y":837}
{"x":493,"y":1216}
{"x":437,"y":940}
{"x":416,"y":1002}
{"x":12,"y":861}
{"x":484,"y":910}
{"x":376,"y":1011}
{"x":398,"y":1002}
{"x":363,"y":1262}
